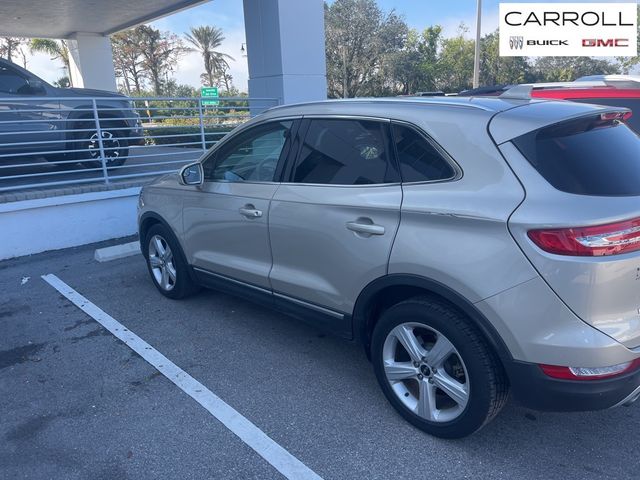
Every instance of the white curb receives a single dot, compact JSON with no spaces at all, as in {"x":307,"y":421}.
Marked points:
{"x":117,"y":251}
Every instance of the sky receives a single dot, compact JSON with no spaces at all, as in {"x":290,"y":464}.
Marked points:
{"x":228,"y":15}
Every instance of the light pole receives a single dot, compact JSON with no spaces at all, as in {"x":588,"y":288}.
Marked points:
{"x":344,"y":72}
{"x":476,"y":59}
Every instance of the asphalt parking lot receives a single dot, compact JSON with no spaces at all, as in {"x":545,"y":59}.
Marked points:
{"x":77,"y":403}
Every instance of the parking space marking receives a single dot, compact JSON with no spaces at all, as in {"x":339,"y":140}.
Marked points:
{"x":283,"y":461}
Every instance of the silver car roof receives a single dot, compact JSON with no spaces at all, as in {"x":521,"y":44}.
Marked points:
{"x":507,"y":118}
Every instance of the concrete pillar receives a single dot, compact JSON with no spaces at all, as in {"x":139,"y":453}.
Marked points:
{"x":285,"y":49}
{"x":91,"y":61}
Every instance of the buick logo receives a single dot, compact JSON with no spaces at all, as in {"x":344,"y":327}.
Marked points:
{"x":516,"y":43}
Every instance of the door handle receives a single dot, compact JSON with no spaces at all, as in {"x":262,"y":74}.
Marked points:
{"x":364,"y":227}
{"x":249,"y":211}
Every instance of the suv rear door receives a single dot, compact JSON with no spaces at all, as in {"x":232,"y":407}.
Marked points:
{"x":332,"y":224}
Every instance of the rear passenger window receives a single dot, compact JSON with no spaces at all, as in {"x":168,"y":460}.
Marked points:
{"x":345,"y":152}
{"x":419,"y":160}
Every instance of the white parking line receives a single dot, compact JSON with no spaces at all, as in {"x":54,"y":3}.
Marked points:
{"x":278,"y":457}
{"x":123,"y":250}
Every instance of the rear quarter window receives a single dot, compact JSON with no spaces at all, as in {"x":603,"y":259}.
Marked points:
{"x":588,"y":156}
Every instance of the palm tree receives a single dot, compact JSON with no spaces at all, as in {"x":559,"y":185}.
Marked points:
{"x":58,"y":49}
{"x":205,"y":39}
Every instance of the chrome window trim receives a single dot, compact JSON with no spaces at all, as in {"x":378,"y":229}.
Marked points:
{"x":337,"y":116}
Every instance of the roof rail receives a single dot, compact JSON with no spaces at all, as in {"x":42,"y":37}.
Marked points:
{"x":524,"y":90}
{"x":624,"y":81}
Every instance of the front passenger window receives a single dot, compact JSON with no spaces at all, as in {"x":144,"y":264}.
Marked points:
{"x":250,"y":157}
{"x":11,"y":82}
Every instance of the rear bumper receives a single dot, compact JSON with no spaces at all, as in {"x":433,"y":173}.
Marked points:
{"x":535,"y":390}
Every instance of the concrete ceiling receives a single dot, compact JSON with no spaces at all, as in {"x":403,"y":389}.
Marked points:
{"x":63,"y":18}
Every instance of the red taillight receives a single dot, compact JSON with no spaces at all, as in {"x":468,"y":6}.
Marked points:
{"x":594,"y":373}
{"x":611,"y":239}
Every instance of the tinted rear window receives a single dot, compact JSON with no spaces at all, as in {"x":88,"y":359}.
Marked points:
{"x":419,"y":160}
{"x":586,"y":157}
{"x":632,"y":103}
{"x":345,"y":152}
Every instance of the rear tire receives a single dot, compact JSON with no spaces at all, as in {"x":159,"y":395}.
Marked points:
{"x":447,"y":382}
{"x":167,"y":264}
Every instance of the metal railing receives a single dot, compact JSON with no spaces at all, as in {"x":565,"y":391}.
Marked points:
{"x":50,"y":142}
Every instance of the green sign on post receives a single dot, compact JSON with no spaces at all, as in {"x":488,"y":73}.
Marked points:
{"x":212,"y":93}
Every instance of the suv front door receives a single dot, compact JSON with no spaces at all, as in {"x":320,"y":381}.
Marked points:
{"x":225,"y":220}
{"x":333,"y":223}
{"x":23,"y":119}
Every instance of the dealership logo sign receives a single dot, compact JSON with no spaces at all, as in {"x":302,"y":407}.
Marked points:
{"x":568,"y":29}
{"x":516,"y":43}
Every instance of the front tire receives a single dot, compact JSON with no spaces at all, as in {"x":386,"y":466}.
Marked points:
{"x":166,"y":263}
{"x":114,"y":141}
{"x":435,"y":368}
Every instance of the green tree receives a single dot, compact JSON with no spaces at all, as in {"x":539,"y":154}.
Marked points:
{"x":128,"y":60}
{"x":359,"y":40}
{"x":62,"y":82}
{"x":497,"y":70}
{"x":160,"y":52}
{"x":57,"y":49}
{"x":415,"y":67}
{"x":456,"y":61}
{"x":205,"y":40}
{"x":627,"y":63}
{"x":9,"y":46}
{"x":567,"y":69}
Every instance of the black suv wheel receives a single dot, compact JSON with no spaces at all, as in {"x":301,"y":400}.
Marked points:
{"x":114,"y":142}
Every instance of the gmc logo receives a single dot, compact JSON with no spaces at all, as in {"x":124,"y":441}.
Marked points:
{"x":609,"y":42}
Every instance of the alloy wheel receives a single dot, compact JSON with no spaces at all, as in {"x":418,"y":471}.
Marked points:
{"x":161,"y":263}
{"x":110,"y":143}
{"x":426,"y":372}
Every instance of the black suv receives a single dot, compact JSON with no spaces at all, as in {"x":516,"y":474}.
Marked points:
{"x":59,"y":123}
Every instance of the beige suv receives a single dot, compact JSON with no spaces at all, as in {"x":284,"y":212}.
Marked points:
{"x":472,"y":245}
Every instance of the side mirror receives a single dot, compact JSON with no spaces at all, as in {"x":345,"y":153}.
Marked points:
{"x":192,"y":174}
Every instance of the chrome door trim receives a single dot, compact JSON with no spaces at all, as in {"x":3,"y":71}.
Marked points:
{"x":311,"y":306}
{"x":232,"y":280}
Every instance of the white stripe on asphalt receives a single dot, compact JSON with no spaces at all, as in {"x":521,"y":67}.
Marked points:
{"x":278,"y":457}
{"x":114,"y":252}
